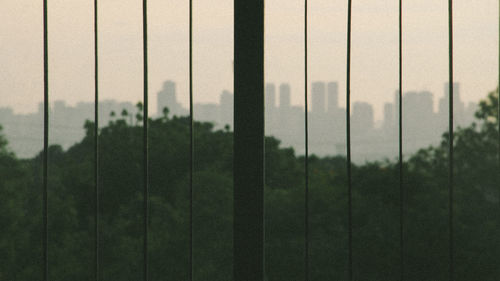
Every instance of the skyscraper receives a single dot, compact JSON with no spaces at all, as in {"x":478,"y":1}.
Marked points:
{"x":270,"y":96}
{"x":418,"y":117}
{"x":362,"y":117}
{"x":318,"y":98}
{"x":285,"y":96}
{"x":444,"y":105}
{"x":458,"y":106}
{"x":388,"y":116}
{"x":167,"y":98}
{"x":333,"y":97}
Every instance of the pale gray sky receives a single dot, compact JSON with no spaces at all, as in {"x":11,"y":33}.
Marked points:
{"x":374,"y":54}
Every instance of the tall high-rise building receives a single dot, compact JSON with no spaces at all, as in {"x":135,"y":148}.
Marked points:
{"x":444,"y":102}
{"x":318,"y":97}
{"x":270,"y":96}
{"x":388,"y":116}
{"x":458,"y":106}
{"x":418,"y":105}
{"x":362,"y":117}
{"x":333,"y":97}
{"x":167,"y":98}
{"x":396,"y":100}
{"x":271,"y":116}
{"x":418,"y":117}
{"x":285,"y":94}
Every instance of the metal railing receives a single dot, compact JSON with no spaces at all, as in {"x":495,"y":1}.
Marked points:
{"x":248,"y":144}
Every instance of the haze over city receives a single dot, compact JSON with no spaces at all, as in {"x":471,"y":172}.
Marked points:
{"x":256,"y":182}
{"x":374,"y":69}
{"x":371,"y":140}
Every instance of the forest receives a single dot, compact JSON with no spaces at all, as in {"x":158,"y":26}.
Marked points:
{"x":375,"y":205}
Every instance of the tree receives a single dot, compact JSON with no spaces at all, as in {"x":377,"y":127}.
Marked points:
{"x":375,"y":206}
{"x":3,"y":142}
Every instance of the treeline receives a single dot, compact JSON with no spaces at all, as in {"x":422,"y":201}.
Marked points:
{"x":376,"y":208}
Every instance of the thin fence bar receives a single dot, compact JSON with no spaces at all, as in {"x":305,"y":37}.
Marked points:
{"x":306,"y":156}
{"x":248,"y":224}
{"x":348,"y":135}
{"x":191,"y":140}
{"x":401,"y":186}
{"x":145,"y":140}
{"x":498,"y":91}
{"x":45,"y":235}
{"x":96,"y":144}
{"x":451,"y":136}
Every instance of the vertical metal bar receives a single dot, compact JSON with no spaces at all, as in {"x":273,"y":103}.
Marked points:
{"x":451,"y":128}
{"x":306,"y":156}
{"x":248,"y":140}
{"x":401,"y":187}
{"x":191,"y":140}
{"x":96,"y":144}
{"x":348,"y":134}
{"x":45,"y":142}
{"x":145,"y":138}
{"x":498,"y":89}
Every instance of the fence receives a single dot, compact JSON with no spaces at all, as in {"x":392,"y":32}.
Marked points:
{"x":249,"y":144}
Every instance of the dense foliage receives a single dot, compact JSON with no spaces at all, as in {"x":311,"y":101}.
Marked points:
{"x":376,"y":208}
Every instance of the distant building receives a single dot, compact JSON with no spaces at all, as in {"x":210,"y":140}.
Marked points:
{"x":226,"y":109}
{"x":270,"y":97}
{"x":277,"y":125}
{"x":422,"y":125}
{"x":206,"y":112}
{"x":444,"y":106}
{"x":419,"y":120}
{"x":418,"y":106}
{"x":333,"y":97}
{"x":362,"y":118}
{"x":318,"y":98}
{"x":6,"y":113}
{"x":271,"y":111}
{"x":470,"y":112}
{"x":285,"y":99}
{"x":388,"y":122}
{"x":167,"y":98}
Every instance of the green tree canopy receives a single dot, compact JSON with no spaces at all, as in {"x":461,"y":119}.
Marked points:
{"x":375,"y":202}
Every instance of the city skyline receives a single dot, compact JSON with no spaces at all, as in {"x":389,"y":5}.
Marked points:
{"x":371,"y":138}
{"x":321,"y":94}
{"x":374,"y":69}
{"x":250,"y":140}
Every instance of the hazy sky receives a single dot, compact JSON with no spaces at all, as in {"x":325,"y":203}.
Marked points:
{"x":374,"y":54}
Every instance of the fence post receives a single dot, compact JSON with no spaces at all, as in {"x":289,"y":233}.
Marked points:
{"x":248,"y":140}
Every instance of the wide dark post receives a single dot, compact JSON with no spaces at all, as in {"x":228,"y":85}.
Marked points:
{"x":248,"y":140}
